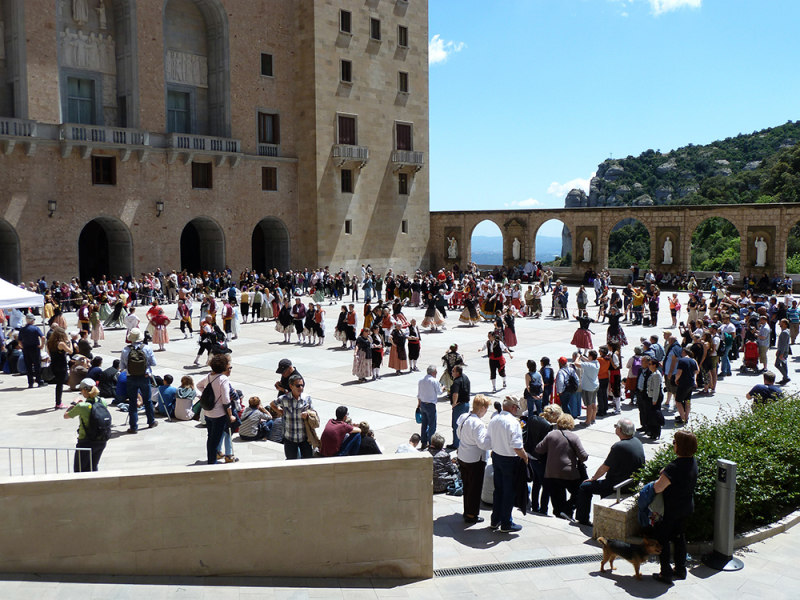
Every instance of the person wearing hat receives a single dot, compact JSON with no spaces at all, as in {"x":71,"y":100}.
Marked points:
{"x":32,"y":340}
{"x":286,"y":370}
{"x":505,"y":433}
{"x":86,"y":461}
{"x":138,"y":383}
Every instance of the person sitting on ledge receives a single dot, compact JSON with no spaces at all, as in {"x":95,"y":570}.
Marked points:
{"x":256,"y":422}
{"x":368,"y":443}
{"x":411,"y":446}
{"x":340,"y":438}
{"x":445,"y":471}
{"x":766,"y":392}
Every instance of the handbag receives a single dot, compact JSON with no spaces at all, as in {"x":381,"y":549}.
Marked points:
{"x":582,"y":472}
{"x":418,"y":416}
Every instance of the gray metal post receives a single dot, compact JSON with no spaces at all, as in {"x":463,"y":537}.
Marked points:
{"x":722,"y":558}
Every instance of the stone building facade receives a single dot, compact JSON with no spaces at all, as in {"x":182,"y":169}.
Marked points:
{"x":202,"y":133}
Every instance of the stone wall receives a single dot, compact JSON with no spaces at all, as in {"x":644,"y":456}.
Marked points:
{"x":350,"y":517}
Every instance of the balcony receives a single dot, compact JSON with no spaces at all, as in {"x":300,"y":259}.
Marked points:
{"x":91,"y":137}
{"x":269,"y":150}
{"x":14,"y":131}
{"x":344,"y":154}
{"x":408,"y":160}
{"x":191,"y":145}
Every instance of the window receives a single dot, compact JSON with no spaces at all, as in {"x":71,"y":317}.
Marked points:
{"x":402,"y":181}
{"x":402,"y":36}
{"x":104,"y":170}
{"x":348,"y":227}
{"x":268,"y":128}
{"x":122,"y":111}
{"x":404,"y":139}
{"x":347,"y":130}
{"x":345,"y":22}
{"x":402,"y":82}
{"x":80,"y":101}
{"x":404,"y":226}
{"x":347,"y":181}
{"x":201,"y":175}
{"x":269,"y":179}
{"x":375,"y":29}
{"x":178,"y":112}
{"x":266,"y":64}
{"x":347,"y":71}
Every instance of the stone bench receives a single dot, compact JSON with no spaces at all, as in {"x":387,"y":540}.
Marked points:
{"x":616,"y":519}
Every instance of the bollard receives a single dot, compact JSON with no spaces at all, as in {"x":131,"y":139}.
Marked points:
{"x":722,"y":558}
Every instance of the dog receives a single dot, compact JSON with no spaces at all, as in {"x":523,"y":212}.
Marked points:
{"x":635,"y":554}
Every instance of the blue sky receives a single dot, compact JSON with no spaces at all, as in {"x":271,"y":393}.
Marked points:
{"x":527,"y":97}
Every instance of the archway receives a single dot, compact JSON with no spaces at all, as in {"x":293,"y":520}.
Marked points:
{"x":202,"y":246}
{"x":10,"y":269}
{"x":716,"y":246}
{"x":793,"y":250}
{"x":554,"y":244}
{"x":486,"y":245}
{"x":629,"y":243}
{"x":197,"y":67}
{"x":270,"y":246}
{"x":105,"y":248}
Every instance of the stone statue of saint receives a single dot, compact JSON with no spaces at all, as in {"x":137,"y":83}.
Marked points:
{"x":667,"y":251}
{"x":515,"y":248}
{"x":80,"y":11}
{"x":587,"y":250}
{"x":101,"y":14}
{"x":761,"y":252}
{"x":452,"y":249}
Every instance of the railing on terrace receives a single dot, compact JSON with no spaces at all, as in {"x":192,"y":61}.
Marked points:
{"x":16,"y":461}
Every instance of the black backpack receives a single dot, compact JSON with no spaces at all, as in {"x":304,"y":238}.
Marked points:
{"x":571,"y":385}
{"x":137,"y":362}
{"x":99,"y":429}
{"x":547,"y":375}
{"x":208,"y":398}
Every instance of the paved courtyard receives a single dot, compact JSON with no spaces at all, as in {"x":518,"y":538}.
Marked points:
{"x":388,"y":405}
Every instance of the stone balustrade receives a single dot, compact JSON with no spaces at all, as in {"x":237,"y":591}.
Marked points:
{"x":344,"y":154}
{"x":269,"y":150}
{"x":190,"y":145}
{"x":13,"y":131}
{"x":408,"y":159}
{"x":90,"y":137}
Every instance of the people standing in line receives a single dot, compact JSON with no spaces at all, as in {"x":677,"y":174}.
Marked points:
{"x":137,"y":360}
{"x":472,"y":449}
{"x":428,"y":392}
{"x":505,"y":434}
{"x":376,"y":340}
{"x":684,"y":381}
{"x":218,"y":418}
{"x":397,"y":356}
{"x":459,"y":400}
{"x":564,"y":452}
{"x":91,"y":436}
{"x":294,"y":408}
{"x":534,"y":389}
{"x":655,"y":396}
{"x":33,"y":342}
{"x":567,"y":385}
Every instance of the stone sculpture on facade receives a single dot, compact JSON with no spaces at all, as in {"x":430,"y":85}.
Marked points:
{"x":452,"y":248}
{"x":667,"y":251}
{"x":101,"y":15}
{"x":516,"y":247}
{"x":189,"y":69}
{"x":95,"y":51}
{"x":80,"y":11}
{"x":587,"y":250}
{"x":761,"y":252}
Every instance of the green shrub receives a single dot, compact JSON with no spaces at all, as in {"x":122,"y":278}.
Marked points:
{"x":764,"y":442}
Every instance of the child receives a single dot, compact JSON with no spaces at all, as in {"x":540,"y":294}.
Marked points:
{"x":185,"y":399}
{"x":256,"y":422}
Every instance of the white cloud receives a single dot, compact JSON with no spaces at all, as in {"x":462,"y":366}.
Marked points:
{"x":663,"y":6}
{"x":530,"y":202}
{"x":562,"y":189}
{"x":440,"y":51}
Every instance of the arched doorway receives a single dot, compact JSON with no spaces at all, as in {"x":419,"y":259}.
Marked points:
{"x":486,"y":245}
{"x":793,"y":250}
{"x":202,"y":246}
{"x":270,"y":246}
{"x":554,"y":244}
{"x":628,"y":244}
{"x":716,"y":246}
{"x":105,"y":248}
{"x":10,"y":269}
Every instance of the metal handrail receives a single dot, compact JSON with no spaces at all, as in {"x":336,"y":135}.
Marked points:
{"x":11,"y":452}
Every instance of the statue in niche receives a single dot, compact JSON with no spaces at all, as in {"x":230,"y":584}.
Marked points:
{"x":452,"y":249}
{"x":515,"y":248}
{"x":761,"y":252}
{"x":80,"y":11}
{"x":587,"y":250}
{"x":667,"y":251}
{"x":101,"y":15}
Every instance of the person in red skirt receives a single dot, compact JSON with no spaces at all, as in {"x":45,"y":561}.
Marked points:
{"x":582,"y":339}
{"x":497,"y":362}
{"x":509,"y":331}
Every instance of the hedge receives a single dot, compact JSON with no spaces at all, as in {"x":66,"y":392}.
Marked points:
{"x":764,"y":442}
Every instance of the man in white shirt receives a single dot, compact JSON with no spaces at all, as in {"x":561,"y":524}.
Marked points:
{"x":472,"y":449}
{"x":428,"y":392}
{"x":410,"y":446}
{"x":505,"y":434}
{"x":589,"y":370}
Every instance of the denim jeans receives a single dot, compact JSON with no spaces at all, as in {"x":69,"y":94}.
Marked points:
{"x":226,"y":439}
{"x":428,"y":410}
{"x":295,"y":450}
{"x":458,"y":410}
{"x":139,"y":385}
{"x":725,"y":361}
{"x":503,"y":499}
{"x":216,"y":429}
{"x":350,"y":446}
{"x":583,"y":504}
{"x":539,"y":483}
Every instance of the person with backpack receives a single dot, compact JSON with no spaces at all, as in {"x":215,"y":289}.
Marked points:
{"x":534,"y":389}
{"x":548,"y":378}
{"x":568,"y":385}
{"x":94,"y":428}
{"x":137,"y":359}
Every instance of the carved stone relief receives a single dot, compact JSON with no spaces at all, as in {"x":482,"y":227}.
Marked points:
{"x":94,"y":52}
{"x":189,"y":69}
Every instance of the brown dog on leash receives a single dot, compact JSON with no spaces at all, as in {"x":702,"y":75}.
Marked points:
{"x":635,"y":554}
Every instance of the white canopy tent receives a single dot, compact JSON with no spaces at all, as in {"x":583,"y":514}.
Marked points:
{"x":12,"y":296}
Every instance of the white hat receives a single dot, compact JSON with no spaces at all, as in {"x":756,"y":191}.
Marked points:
{"x":135,"y":335}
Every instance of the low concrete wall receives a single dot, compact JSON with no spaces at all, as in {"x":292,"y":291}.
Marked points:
{"x":353,"y":517}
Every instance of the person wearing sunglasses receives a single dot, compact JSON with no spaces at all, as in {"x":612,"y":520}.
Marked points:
{"x":293,"y":407}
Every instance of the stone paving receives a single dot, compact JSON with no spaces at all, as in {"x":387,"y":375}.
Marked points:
{"x":388,"y":405}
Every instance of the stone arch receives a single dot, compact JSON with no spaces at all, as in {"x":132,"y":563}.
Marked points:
{"x":98,"y":64}
{"x":270,"y":246}
{"x":10,"y":256}
{"x":491,"y":254}
{"x":629,"y":239}
{"x":105,"y":247}
{"x":197,"y":67}
{"x":202,"y":246}
{"x":709,"y":249}
{"x":546,"y":252}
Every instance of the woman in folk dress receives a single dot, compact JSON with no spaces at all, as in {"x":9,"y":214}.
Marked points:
{"x":362,"y":357}
{"x":397,"y":357}
{"x":97,"y":326}
{"x":285,"y":322}
{"x":469,"y":314}
{"x":433,"y":318}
